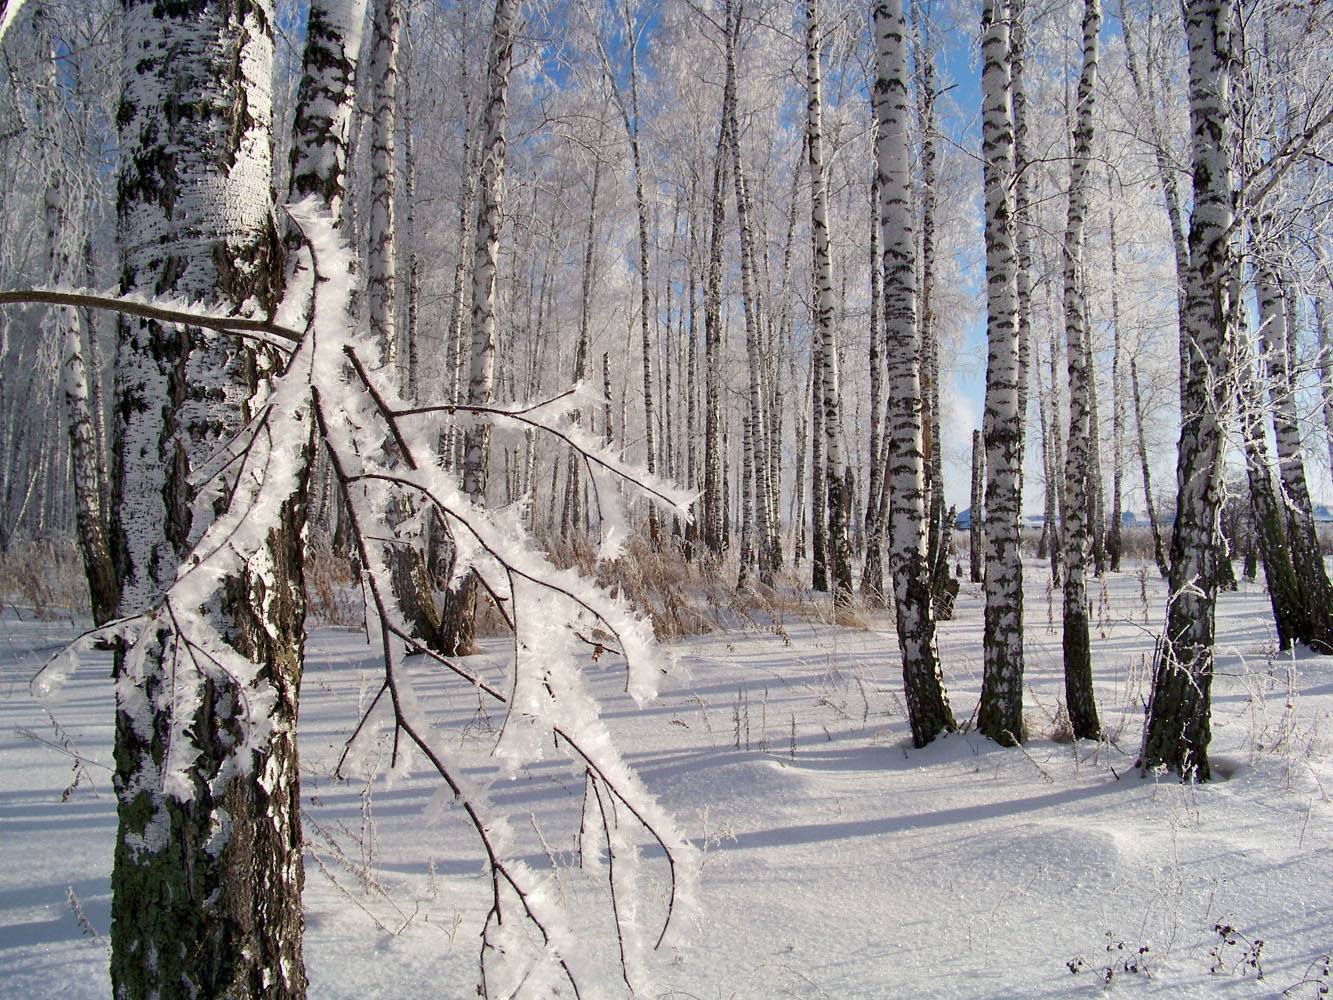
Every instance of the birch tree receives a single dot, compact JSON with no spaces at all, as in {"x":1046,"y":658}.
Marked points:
{"x":927,"y":706}
{"x":1313,"y":594}
{"x":63,"y":325}
{"x":1178,"y":729}
{"x":458,"y":628}
{"x":632,"y":29}
{"x":381,"y":257}
{"x":839,"y":544}
{"x":206,"y":887}
{"x":714,"y":528}
{"x":1000,"y":714}
{"x":1078,"y":454}
{"x":324,"y":103}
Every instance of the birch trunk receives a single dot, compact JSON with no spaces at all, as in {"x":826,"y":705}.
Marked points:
{"x":927,"y":705}
{"x":755,"y":495}
{"x":1150,"y":506}
{"x":381,"y":262}
{"x":838,"y":542}
{"x":1323,"y":334}
{"x":88,"y":472}
{"x":1270,"y":524}
{"x":458,"y":628}
{"x":1179,"y":728}
{"x":1313,"y":592}
{"x":872,"y":571}
{"x":572,"y":519}
{"x":976,"y":523}
{"x":206,"y":886}
{"x":324,"y":100}
{"x":1078,"y":455}
{"x":1114,"y":540}
{"x":714,"y":529}
{"x":1000,"y":713}
{"x":944,"y":587}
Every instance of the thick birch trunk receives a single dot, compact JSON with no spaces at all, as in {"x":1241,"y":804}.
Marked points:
{"x":1000,"y":714}
{"x":927,"y":705}
{"x":1178,"y":729}
{"x":324,"y":101}
{"x":206,"y":887}
{"x":1314,"y":593}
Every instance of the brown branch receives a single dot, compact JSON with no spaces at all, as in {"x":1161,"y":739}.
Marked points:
{"x":259,"y":329}
{"x":385,"y":411}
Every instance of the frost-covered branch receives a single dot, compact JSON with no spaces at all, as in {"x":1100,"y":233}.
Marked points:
{"x":354,"y":411}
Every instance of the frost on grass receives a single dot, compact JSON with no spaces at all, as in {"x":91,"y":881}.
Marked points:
{"x":381,"y":450}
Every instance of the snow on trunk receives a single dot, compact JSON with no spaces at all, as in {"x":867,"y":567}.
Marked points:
{"x":714,"y":527}
{"x":756,"y":437}
{"x":1323,"y":335}
{"x":1313,"y":591}
{"x":324,"y":104}
{"x":207,"y":880}
{"x":381,"y":263}
{"x":63,"y":327}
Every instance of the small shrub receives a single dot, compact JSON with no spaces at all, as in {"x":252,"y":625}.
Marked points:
{"x":1121,"y":959}
{"x":1234,"y":952}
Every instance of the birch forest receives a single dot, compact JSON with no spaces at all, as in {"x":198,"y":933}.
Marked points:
{"x":569,"y":320}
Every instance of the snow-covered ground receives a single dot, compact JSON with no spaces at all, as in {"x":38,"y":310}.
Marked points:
{"x":839,"y":862}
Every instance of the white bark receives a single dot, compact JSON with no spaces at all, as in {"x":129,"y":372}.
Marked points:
{"x":1079,"y":451}
{"x":324,"y":103}
{"x":1178,"y":729}
{"x":381,"y":258}
{"x":207,"y":879}
{"x":839,"y":544}
{"x":1324,"y":336}
{"x":1000,"y":714}
{"x":927,"y":707}
{"x":493,"y":147}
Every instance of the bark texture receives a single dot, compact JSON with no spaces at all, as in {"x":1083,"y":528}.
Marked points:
{"x":1179,"y":717}
{"x":458,"y":629}
{"x":206,"y":887}
{"x":1079,"y":452}
{"x":1000,"y":714}
{"x":927,"y":705}
{"x":839,"y":501}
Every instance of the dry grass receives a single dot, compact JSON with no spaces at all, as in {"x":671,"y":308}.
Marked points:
{"x":44,"y":577}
